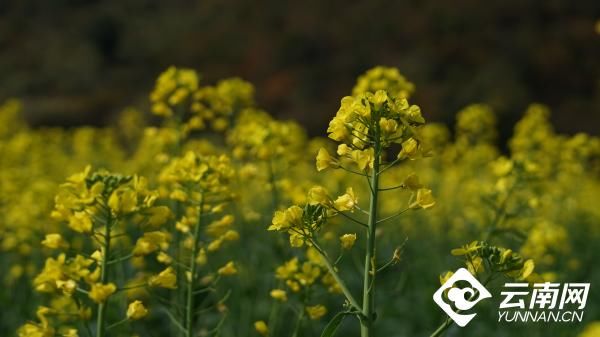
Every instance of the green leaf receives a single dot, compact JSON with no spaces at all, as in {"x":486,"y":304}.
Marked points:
{"x":332,"y":326}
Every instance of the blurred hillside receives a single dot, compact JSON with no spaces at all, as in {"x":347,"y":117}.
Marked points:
{"x":81,"y":61}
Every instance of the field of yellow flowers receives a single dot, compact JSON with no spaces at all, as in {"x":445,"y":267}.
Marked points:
{"x":208,"y":217}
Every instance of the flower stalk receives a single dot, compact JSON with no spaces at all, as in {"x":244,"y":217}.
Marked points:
{"x":368,"y":307}
{"x":336,"y":276}
{"x":101,"y":315}
{"x":189,"y":307}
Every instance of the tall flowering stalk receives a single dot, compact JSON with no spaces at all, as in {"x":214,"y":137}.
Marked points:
{"x":200,"y":183}
{"x":367,"y":125}
{"x":370,"y":127}
{"x":188,"y":110}
{"x":97,"y":206}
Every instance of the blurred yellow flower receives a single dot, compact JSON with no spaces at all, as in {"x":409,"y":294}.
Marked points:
{"x":70,"y":333}
{"x":261,"y":327}
{"x":123,"y":201}
{"x":527,"y":270}
{"x":279,"y":294}
{"x":136,"y":310}
{"x":318,"y":195}
{"x":151,"y":242}
{"x":158,"y":215}
{"x":285,"y":219}
{"x":409,"y":149}
{"x":591,"y":330}
{"x":445,"y":277}
{"x":228,"y":269}
{"x":324,"y":160}
{"x":347,"y":240}
{"x":466,"y":249}
{"x":424,"y":199}
{"x":344,"y":150}
{"x":80,"y":222}
{"x":412,"y":182}
{"x":347,"y":201}
{"x":165,"y":279}
{"x":100,"y":292}
{"x":68,"y":287}
{"x":317,"y":311}
{"x":54,"y":241}
{"x":363,"y":158}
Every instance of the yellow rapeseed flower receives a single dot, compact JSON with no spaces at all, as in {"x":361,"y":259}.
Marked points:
{"x":80,"y":222}
{"x":151,"y":242}
{"x":279,"y":294}
{"x":344,"y":150}
{"x":228,"y":269}
{"x":317,"y":311}
{"x":261,"y":327}
{"x":424,"y":199}
{"x":165,"y":279}
{"x":347,"y":201}
{"x":136,"y":310}
{"x":325,"y":160}
{"x":347,"y":240}
{"x":286,"y":270}
{"x":466,"y":249}
{"x":100,"y":292}
{"x":412,"y":182}
{"x":123,"y":201}
{"x":285,"y":219}
{"x":157,"y":216}
{"x":54,"y":241}
{"x":363,"y":158}
{"x":318,"y":195}
{"x":409,"y":150}
{"x":527,"y":269}
{"x":70,"y":333}
{"x":68,"y":287}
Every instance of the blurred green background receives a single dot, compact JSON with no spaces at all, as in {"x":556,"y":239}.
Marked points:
{"x":81,"y":61}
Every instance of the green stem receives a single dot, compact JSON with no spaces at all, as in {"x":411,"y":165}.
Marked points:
{"x":299,"y":322}
{"x":393,"y":215}
{"x":273,"y":318}
{"x":121,"y":259}
{"x":189,"y":314}
{"x":368,"y":307}
{"x":384,"y":267}
{"x":132,"y":287}
{"x":354,"y":172}
{"x":178,"y":296}
{"x":174,"y":320}
{"x":273,"y":182}
{"x":101,"y":316}
{"x":336,"y":276}
{"x":440,"y":330}
{"x":118,"y":323}
{"x":349,"y":217}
